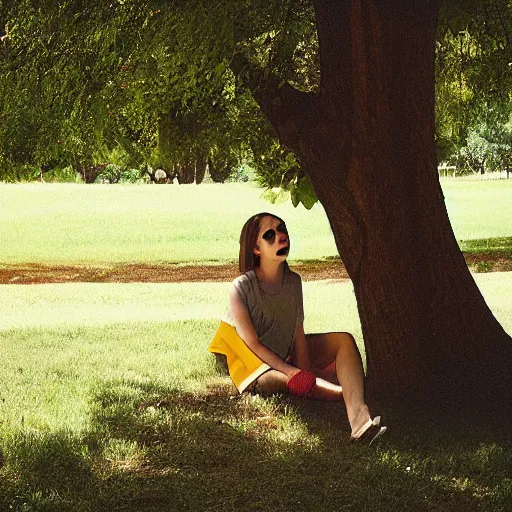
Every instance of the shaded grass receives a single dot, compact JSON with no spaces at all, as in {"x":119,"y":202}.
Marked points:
{"x":101,"y":414}
{"x":154,"y":448}
{"x":488,"y":254}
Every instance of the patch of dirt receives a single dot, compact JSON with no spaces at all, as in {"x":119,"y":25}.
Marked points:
{"x":172,"y":273}
{"x":485,"y":262}
{"x":129,"y":273}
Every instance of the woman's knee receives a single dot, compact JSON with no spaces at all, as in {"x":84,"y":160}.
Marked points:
{"x":325,"y":347}
{"x":343,"y":340}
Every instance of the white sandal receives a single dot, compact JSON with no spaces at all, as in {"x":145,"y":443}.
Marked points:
{"x":370,"y":431}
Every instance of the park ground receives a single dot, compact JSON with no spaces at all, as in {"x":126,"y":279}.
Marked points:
{"x":109,"y":400}
{"x":332,"y":269}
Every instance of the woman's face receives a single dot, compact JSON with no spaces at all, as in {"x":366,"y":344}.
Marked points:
{"x":272,"y":242}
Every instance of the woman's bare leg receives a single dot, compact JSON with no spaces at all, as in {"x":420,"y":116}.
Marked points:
{"x":340,"y":347}
{"x":272,"y":382}
{"x":327,"y":348}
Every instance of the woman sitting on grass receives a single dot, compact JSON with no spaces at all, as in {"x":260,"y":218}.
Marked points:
{"x":265,"y":308}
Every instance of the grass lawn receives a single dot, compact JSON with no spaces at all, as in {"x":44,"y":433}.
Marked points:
{"x":105,"y":224}
{"x":68,"y":223}
{"x":478,"y":209}
{"x":109,"y":401}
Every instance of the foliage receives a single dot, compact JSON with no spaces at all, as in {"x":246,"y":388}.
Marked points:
{"x":487,"y":145}
{"x":149,"y":79}
{"x":244,"y":173}
{"x":473,"y":81}
{"x":61,"y":175}
{"x":476,"y":152}
{"x":486,"y":150}
{"x":114,"y":173}
{"x":159,"y":85}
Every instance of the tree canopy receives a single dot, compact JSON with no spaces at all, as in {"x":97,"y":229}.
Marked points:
{"x":165,"y":85}
{"x":147,"y":78}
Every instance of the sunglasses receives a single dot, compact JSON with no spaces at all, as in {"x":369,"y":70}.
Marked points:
{"x":270,"y":235}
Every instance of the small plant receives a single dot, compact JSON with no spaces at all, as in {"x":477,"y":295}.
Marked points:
{"x":484,"y":266}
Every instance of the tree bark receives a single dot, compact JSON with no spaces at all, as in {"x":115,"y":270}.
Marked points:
{"x":186,"y":172}
{"x":367,"y":143}
{"x":165,"y":135}
{"x":91,"y":171}
{"x":200,"y":170}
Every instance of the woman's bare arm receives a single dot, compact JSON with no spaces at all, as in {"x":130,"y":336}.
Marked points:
{"x":300,"y":349}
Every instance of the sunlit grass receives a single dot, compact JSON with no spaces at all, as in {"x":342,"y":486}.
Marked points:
{"x":98,"y":304}
{"x":67,"y":223}
{"x":48,"y":374}
{"x":73,"y":223}
{"x":56,"y":340}
{"x":479,"y":209}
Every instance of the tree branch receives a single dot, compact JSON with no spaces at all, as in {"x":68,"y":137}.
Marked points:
{"x":287,"y":108}
{"x":503,"y":24}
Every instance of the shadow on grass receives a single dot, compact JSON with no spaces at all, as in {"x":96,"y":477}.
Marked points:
{"x":156,"y":449}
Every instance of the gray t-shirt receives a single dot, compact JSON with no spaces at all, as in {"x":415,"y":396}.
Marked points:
{"x":275,"y":317}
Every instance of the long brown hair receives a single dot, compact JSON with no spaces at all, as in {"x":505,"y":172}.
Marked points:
{"x":247,"y":260}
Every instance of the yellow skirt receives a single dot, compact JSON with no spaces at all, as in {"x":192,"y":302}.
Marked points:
{"x":243,"y":364}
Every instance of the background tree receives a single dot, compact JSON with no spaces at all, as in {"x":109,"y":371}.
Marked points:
{"x":132,"y":77}
{"x":103,"y":75}
{"x":473,"y":79}
{"x":125,"y":70}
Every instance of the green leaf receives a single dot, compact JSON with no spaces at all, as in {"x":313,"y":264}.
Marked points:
{"x":306,"y":193}
{"x":275,"y":195}
{"x":294,"y":196}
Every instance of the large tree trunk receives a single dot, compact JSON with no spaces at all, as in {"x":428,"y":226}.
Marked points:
{"x":367,"y":143}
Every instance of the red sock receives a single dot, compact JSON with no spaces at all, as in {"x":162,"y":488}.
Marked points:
{"x":301,"y":383}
